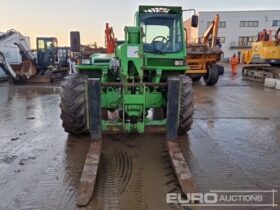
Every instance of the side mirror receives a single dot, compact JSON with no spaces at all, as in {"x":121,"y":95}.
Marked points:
{"x":75,"y":41}
{"x":194,"y":21}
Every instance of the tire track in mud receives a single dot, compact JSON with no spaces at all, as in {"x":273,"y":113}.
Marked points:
{"x":116,"y":175}
{"x":134,"y":177}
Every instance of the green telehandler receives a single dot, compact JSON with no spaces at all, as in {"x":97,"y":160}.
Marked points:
{"x":147,"y":72}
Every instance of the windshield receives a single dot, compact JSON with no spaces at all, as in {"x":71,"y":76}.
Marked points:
{"x":162,"y":33}
{"x":44,"y":44}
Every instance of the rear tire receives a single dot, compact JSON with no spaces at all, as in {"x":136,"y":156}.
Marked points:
{"x":186,"y":105}
{"x":74,"y":104}
{"x":212,"y":76}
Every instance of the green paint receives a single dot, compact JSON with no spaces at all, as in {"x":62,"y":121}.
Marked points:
{"x":143,"y":59}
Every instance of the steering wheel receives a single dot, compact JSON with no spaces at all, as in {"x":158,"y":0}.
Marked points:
{"x":163,"y":39}
{"x":161,"y":43}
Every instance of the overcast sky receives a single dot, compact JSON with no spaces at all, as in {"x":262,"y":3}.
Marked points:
{"x":58,"y":17}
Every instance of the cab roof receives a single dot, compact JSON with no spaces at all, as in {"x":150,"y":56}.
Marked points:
{"x":160,"y":9}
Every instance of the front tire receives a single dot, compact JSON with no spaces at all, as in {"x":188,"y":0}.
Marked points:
{"x":221,"y":69}
{"x":186,"y":105}
{"x":212,"y":76}
{"x":74,"y":104}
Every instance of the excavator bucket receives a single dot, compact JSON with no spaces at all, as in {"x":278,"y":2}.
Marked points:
{"x":27,"y":69}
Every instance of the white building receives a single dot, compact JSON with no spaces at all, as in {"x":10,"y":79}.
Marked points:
{"x":238,"y":29}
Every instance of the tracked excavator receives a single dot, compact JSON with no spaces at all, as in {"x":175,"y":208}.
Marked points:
{"x":263,"y":57}
{"x":146,"y":72}
{"x":41,"y":68}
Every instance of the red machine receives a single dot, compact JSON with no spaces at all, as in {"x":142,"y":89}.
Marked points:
{"x":110,"y":40}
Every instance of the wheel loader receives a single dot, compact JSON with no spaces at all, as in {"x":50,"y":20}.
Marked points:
{"x":113,"y":93}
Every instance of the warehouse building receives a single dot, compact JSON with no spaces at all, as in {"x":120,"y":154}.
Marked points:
{"x":238,"y":29}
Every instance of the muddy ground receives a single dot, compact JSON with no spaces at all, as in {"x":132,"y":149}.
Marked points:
{"x":234,"y":145}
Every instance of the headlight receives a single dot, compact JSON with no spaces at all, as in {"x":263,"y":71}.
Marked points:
{"x":179,"y":63}
{"x":85,"y":61}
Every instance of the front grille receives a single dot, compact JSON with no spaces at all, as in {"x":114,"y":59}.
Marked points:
{"x":160,"y":62}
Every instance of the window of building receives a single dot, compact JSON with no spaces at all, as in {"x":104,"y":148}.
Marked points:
{"x":223,"y":24}
{"x":249,"y":23}
{"x":222,"y":39}
{"x":246,"y":41}
{"x":276,"y":23}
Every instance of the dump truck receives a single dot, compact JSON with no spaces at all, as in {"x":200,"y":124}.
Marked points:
{"x":203,"y":56}
{"x":263,"y":57}
{"x":146,"y":73}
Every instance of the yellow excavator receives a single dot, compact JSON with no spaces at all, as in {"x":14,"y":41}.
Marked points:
{"x":263,"y":57}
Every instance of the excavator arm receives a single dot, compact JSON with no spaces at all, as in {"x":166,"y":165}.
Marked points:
{"x":19,"y":40}
{"x":6,"y":67}
{"x":110,"y":39}
{"x":211,"y":31}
